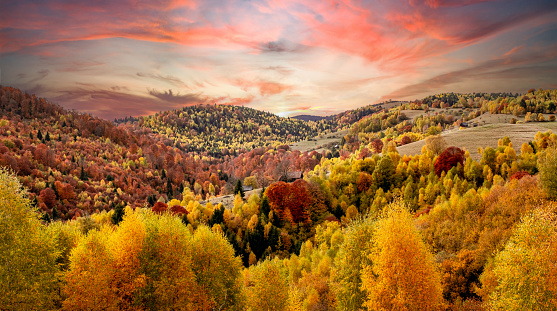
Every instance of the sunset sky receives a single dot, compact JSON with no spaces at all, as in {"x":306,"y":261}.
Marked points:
{"x":119,"y":58}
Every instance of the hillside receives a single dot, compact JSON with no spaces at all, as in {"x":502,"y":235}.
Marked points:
{"x":219,"y":130}
{"x":307,"y":117}
{"x":487,"y":135}
{"x":442,"y":223}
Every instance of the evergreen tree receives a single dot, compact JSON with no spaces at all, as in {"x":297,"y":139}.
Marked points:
{"x":239,"y":189}
{"x":118,"y":213}
{"x":265,"y":207}
{"x":217,"y":217}
{"x":83,"y":174}
{"x":39,"y":135}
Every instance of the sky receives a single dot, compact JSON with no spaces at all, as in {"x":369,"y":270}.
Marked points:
{"x":132,"y":58}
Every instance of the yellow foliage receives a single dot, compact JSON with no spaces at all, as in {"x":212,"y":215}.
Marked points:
{"x":525,"y":269}
{"x":28,"y":268}
{"x":403,"y":275}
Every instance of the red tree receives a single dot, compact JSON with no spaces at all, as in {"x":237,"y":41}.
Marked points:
{"x":48,"y":197}
{"x":377,"y":145}
{"x":448,"y":159}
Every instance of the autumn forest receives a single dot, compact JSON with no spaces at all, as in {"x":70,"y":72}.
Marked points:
{"x":214,"y":207}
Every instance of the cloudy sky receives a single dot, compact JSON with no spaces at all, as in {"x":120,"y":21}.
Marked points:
{"x":137,"y":57}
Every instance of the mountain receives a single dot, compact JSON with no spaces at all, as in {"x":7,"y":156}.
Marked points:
{"x":307,"y":118}
{"x":219,"y":130}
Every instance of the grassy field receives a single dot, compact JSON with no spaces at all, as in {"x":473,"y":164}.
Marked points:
{"x":319,"y":142}
{"x":486,"y":135}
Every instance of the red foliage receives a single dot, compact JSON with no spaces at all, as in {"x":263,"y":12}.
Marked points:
{"x":364,"y":181}
{"x":65,"y":191}
{"x":377,"y":145}
{"x":48,"y":197}
{"x":277,"y":194}
{"x":178,"y":210}
{"x":365,"y":153}
{"x":291,"y":201}
{"x":159,"y":208}
{"x":518,"y":175}
{"x":448,"y":159}
{"x":331,"y":218}
{"x":405,"y":140}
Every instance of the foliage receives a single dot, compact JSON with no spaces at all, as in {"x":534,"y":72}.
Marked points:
{"x":547,"y":163}
{"x":266,"y":287}
{"x":28,"y":267}
{"x":448,"y":159}
{"x":403,"y":274}
{"x":525,"y":268}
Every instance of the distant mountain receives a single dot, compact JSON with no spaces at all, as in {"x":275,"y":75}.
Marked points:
{"x":307,"y":117}
{"x":222,"y":129}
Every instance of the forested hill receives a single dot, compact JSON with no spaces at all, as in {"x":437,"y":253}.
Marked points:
{"x":220,"y":129}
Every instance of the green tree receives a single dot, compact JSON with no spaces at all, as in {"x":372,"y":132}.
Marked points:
{"x":118,"y":215}
{"x":525,"y":268}
{"x":217,"y":270}
{"x":350,"y":260}
{"x":384,"y":174}
{"x":239,"y":189}
{"x":547,"y":165}
{"x":266,"y":286}
{"x":28,"y":267}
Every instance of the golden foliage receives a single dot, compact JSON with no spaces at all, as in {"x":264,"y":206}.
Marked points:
{"x":403,"y":275}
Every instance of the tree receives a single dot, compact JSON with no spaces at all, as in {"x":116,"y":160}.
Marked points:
{"x":144,"y":263}
{"x":48,"y":197}
{"x":547,"y":163}
{"x":435,"y":144}
{"x":28,"y":268}
{"x":376,"y":145}
{"x":448,"y":159}
{"x":403,"y":275}
{"x":118,"y":215}
{"x":384,"y":173}
{"x":266,"y":287}
{"x":239,"y":189}
{"x":525,"y":269}
{"x":217,"y":270}
{"x":351,"y":258}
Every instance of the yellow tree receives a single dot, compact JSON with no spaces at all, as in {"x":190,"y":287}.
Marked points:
{"x":350,"y":259}
{"x":89,"y":278}
{"x":525,"y":269}
{"x":266,"y":287}
{"x":166,"y":263}
{"x":217,"y":270}
{"x":28,"y":268}
{"x":403,"y":275}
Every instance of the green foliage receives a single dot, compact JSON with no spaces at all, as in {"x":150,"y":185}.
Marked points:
{"x":351,"y":258}
{"x":384,"y":173}
{"x":238,"y":189}
{"x":266,"y":286}
{"x":525,"y":268}
{"x":118,"y":215}
{"x":28,"y":256}
{"x":547,"y":163}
